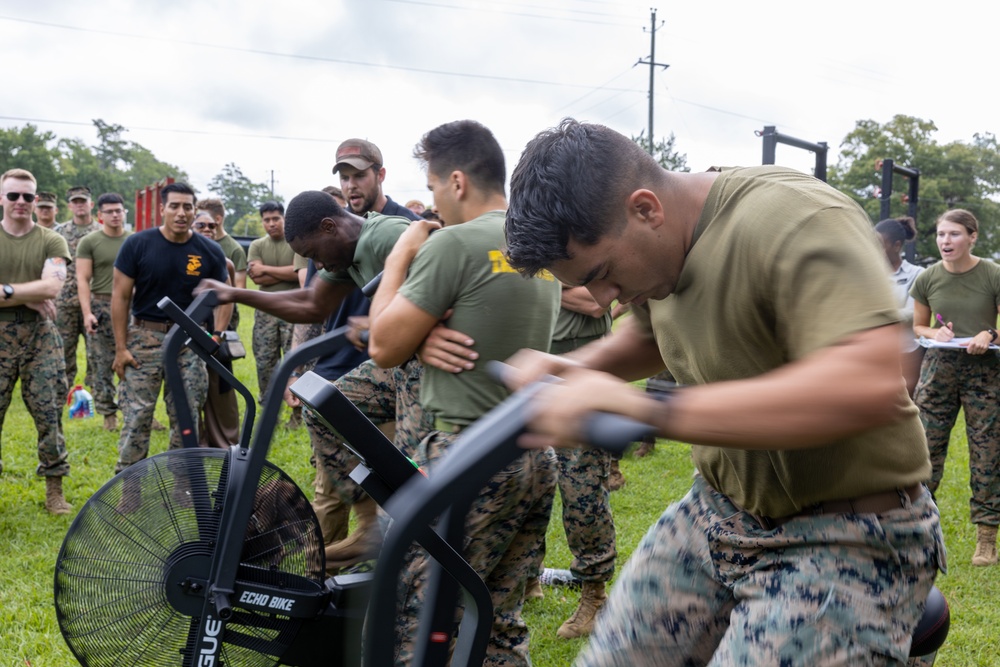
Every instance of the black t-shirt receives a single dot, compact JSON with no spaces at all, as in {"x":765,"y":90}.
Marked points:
{"x":161,"y":268}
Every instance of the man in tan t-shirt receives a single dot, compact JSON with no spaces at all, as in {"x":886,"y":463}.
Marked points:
{"x":807,"y":537}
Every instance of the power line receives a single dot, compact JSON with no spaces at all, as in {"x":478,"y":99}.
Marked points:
{"x":427,"y":3}
{"x":296,"y":56}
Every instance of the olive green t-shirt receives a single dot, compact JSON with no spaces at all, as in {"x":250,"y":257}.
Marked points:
{"x":300,"y":262}
{"x":232,"y":249}
{"x":375,"y":241}
{"x":571,"y":324}
{"x":273,"y":253}
{"x":781,"y":266}
{"x":101,"y":249}
{"x":73,"y":233}
{"x":463,"y":268}
{"x":968,"y":300}
{"x":22,"y":258}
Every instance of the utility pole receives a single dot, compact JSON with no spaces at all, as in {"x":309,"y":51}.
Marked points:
{"x":652,"y":65}
{"x":272,"y":184}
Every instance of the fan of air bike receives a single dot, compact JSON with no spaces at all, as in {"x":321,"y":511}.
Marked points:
{"x":130,"y":573}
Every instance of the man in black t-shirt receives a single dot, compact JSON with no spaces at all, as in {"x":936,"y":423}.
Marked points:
{"x":167,"y":261}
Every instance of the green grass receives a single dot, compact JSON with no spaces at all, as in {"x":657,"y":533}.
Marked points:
{"x":32,"y":538}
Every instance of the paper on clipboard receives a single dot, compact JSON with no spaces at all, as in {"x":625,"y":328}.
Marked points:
{"x":953,"y":344}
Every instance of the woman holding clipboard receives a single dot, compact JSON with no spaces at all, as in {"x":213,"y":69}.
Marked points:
{"x":959,"y":298}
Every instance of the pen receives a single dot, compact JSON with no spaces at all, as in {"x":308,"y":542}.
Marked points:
{"x":941,"y":320}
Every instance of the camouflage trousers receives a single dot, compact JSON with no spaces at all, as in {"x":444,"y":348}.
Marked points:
{"x":140,"y":388}
{"x":504,"y":532}
{"x":31,"y":351}
{"x":272,"y":337}
{"x":586,"y":513}
{"x":383,"y":395}
{"x":949,"y":380}
{"x":101,"y":357}
{"x":708,"y":585}
{"x":69,"y":319}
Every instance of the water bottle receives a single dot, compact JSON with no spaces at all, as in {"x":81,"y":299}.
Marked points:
{"x":552,"y":577}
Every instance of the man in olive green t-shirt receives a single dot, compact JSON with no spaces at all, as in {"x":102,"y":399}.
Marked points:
{"x":461,"y":273}
{"x":95,"y":269}
{"x":270,"y":264}
{"x":32,"y":271}
{"x":807,"y":537}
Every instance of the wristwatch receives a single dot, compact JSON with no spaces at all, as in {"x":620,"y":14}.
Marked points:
{"x":8,"y":292}
{"x":993,"y":332}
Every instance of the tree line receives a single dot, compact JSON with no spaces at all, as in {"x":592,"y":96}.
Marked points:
{"x":116,"y":164}
{"x":957,"y":174}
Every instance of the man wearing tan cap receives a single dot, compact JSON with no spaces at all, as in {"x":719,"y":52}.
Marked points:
{"x":69,"y":317}
{"x":46,"y":210}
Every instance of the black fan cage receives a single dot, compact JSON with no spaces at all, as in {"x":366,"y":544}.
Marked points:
{"x":117,"y":579}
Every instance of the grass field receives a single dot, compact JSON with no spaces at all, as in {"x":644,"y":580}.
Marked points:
{"x":29,"y":634}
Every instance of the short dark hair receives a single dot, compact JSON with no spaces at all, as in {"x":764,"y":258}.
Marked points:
{"x":109,"y":198}
{"x":271,"y":205}
{"x":572,"y":181}
{"x":466,"y":146}
{"x":306,"y":211}
{"x":897,"y":229}
{"x":179,"y":188}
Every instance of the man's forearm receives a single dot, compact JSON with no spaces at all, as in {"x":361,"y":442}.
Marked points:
{"x":295,"y":306}
{"x":627,"y":353}
{"x":119,"y":322}
{"x":35,"y":291}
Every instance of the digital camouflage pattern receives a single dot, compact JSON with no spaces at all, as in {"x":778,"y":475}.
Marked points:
{"x":383,"y":395}
{"x":101,"y":356}
{"x":272,"y":338}
{"x":31,"y":351}
{"x":69,"y":316}
{"x":709,"y":585}
{"x":140,"y":388}
{"x":950,"y":380}
{"x":505,"y":530}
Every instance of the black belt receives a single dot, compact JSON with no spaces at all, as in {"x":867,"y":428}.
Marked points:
{"x":18,"y":315}
{"x":874,"y":503}
{"x":162,"y":327}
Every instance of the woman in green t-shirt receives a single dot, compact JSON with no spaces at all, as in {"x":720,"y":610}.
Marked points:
{"x":963,"y":293}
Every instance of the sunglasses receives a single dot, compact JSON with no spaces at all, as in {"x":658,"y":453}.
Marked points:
{"x":206,"y":225}
{"x":14,"y":196}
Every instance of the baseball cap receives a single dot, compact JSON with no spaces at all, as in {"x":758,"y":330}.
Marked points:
{"x":78,"y":192}
{"x":45,"y":199}
{"x":357,"y":153}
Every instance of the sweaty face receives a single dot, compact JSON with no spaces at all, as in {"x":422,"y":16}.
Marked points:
{"x":324,"y":250}
{"x":274,"y":224}
{"x":19,"y":210}
{"x":361,"y":188}
{"x":631,"y":267}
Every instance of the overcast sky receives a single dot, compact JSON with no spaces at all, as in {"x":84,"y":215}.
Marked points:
{"x":275,"y":86}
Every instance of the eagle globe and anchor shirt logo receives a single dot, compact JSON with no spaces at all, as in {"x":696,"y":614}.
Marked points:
{"x":194,"y":265}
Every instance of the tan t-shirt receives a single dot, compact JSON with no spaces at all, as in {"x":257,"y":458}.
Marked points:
{"x":22,"y":258}
{"x":273,"y":253}
{"x":102,"y":250}
{"x":782,"y":266}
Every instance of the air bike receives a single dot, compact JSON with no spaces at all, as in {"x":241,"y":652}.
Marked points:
{"x":204,"y":557}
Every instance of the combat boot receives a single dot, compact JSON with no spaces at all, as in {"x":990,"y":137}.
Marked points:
{"x":986,"y":546}
{"x":533,"y":590}
{"x":55,"y":502}
{"x":360,"y":545}
{"x":111,"y":422}
{"x":616,"y":479}
{"x":592,"y":598}
{"x":131,"y":499}
{"x":646,"y":446}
